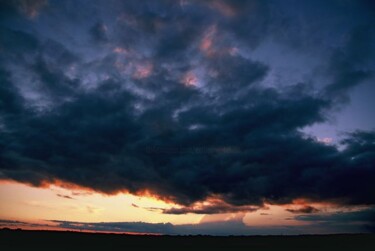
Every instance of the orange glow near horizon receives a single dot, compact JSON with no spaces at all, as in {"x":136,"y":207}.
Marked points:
{"x":22,"y":202}
{"x":76,"y":189}
{"x":69,"y":202}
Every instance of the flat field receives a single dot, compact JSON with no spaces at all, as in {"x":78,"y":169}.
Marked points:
{"x":61,"y":240}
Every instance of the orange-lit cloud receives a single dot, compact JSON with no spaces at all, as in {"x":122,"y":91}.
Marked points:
{"x":310,"y":202}
{"x":190,"y":79}
{"x":208,"y":46}
{"x":223,"y":217}
{"x":223,"y":8}
{"x":78,"y":190}
{"x":207,"y":43}
{"x":121,"y":51}
{"x":22,"y":202}
{"x":212,"y":205}
{"x":143,"y":70}
{"x":130,"y":63}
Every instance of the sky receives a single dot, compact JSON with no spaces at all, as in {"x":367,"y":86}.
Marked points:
{"x":188,"y":117}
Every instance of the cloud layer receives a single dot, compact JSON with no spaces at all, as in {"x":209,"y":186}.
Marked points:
{"x":169,"y":98}
{"x":357,"y":221}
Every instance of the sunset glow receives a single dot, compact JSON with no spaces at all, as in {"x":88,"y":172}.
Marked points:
{"x":57,"y":203}
{"x":216,"y":117}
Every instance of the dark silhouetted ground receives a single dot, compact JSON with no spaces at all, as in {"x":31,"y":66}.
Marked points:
{"x":55,"y":240}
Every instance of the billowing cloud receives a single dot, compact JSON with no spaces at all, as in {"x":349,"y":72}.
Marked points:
{"x":174,"y":100}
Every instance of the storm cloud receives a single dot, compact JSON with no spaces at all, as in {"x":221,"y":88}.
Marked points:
{"x":173,"y":98}
{"x":303,"y":210}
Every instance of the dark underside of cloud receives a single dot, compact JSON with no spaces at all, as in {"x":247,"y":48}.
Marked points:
{"x":303,"y":210}
{"x":165,"y":97}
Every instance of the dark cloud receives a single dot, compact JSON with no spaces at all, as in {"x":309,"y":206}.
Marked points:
{"x":234,"y":72}
{"x":345,"y":222}
{"x":65,"y":196}
{"x":99,"y":32}
{"x":16,"y":43}
{"x":349,"y":64}
{"x":365,"y":218}
{"x":214,"y":207}
{"x":10,"y":222}
{"x":232,"y":227}
{"x":30,"y":9}
{"x":11,"y":101}
{"x":170,"y":98}
{"x":303,"y":210}
{"x":355,"y":216}
{"x":20,"y":224}
{"x":134,"y":227}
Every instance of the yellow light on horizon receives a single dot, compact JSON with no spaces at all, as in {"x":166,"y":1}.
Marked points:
{"x":23,"y":202}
